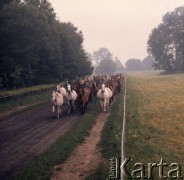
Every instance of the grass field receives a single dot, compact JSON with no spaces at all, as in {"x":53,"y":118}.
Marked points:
{"x":155,"y":120}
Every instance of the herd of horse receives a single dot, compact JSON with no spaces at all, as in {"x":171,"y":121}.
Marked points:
{"x":81,"y":91}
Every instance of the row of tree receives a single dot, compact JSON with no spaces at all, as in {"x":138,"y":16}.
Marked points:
{"x":104,"y":63}
{"x":36,"y":48}
{"x":166,"y":42}
{"x":137,"y":65}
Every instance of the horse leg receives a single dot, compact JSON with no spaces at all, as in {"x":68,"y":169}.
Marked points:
{"x":101,"y":102}
{"x":76,"y":105}
{"x":83,"y":108}
{"x":86,"y":105}
{"x":58,"y":111}
{"x":119,"y":88}
{"x":80,"y":105}
{"x":68,"y":106}
{"x":71,"y":103}
{"x":53,"y":109}
{"x":95,"y":99}
{"x":108,"y":104}
{"x":105,"y":103}
{"x":111,"y":99}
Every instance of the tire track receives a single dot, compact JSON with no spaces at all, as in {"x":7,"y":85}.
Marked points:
{"x":24,"y":136}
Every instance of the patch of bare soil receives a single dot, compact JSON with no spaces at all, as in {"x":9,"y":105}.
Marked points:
{"x":25,"y":136}
{"x":85,"y":158}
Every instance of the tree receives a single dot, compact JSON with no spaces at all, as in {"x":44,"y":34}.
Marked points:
{"x":75,"y":59}
{"x":166,"y":42}
{"x":106,"y":67}
{"x":119,"y":66}
{"x":133,"y":65}
{"x":24,"y":33}
{"x":104,"y":61}
{"x":147,"y":63}
{"x":36,"y":48}
{"x":101,"y":54}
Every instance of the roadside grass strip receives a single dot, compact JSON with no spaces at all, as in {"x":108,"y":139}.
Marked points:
{"x":27,"y":89}
{"x":110,"y":143}
{"x":24,"y":101}
{"x":42,"y":167}
{"x":154,"y":126}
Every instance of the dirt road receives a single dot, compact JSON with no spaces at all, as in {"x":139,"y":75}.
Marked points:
{"x":86,"y":157}
{"x":24,"y":136}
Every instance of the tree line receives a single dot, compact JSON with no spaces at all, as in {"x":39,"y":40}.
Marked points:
{"x":36,"y":48}
{"x":140,"y":65}
{"x":105,"y":63}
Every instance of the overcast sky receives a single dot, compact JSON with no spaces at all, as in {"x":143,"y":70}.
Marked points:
{"x":122,"y":26}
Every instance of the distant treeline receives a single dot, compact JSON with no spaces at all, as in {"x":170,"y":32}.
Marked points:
{"x":105,"y":63}
{"x":37,"y":48}
{"x":137,"y":65}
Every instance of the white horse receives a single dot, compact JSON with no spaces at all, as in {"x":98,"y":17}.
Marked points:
{"x":57,"y":101}
{"x":71,"y":97}
{"x":104,"y":94}
{"x":62,"y":90}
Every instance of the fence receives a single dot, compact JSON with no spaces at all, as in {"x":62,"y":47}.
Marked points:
{"x":19,"y":96}
{"x":123,"y":133}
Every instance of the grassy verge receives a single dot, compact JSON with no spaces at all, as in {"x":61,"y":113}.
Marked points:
{"x":154,"y":128}
{"x":110,"y":143}
{"x":25,"y":101}
{"x":24,"y":90}
{"x":42,"y":167}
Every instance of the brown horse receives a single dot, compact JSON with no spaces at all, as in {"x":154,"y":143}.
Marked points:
{"x":114,"y":85}
{"x":109,"y":85}
{"x":119,"y":84}
{"x":95,"y":88}
{"x":83,"y":98}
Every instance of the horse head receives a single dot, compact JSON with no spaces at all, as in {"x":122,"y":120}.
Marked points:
{"x":94,"y":85}
{"x":81,"y":91}
{"x":69,"y":88}
{"x":53,"y":98}
{"x":74,"y":87}
{"x":58,"y":87}
{"x":103,"y":88}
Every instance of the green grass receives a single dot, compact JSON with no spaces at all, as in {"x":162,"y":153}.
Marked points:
{"x":24,"y":101}
{"x":24,"y":90}
{"x":154,"y":127}
{"x":42,"y":167}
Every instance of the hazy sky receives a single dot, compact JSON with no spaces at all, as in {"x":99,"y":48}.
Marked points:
{"x":122,"y":26}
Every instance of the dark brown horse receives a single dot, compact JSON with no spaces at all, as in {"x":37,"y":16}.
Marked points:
{"x":119,"y":84}
{"x":83,"y":98}
{"x":95,"y":88}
